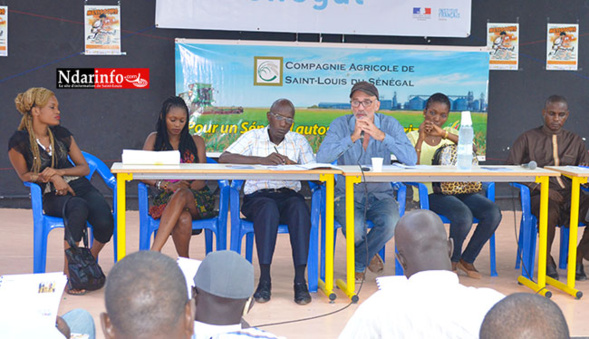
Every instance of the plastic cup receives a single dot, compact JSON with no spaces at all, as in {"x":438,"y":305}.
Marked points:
{"x":377,"y":164}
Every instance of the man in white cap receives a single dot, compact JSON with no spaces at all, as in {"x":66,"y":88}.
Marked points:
{"x":224,"y":285}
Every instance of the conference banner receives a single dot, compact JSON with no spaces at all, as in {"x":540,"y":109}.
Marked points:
{"x":230,"y":85}
{"x":562,"y":47}
{"x":503,"y":46}
{"x":3,"y":30}
{"x":440,"y":18}
{"x":102,"y":30}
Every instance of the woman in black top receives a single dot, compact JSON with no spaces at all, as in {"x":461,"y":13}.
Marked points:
{"x":39,"y":151}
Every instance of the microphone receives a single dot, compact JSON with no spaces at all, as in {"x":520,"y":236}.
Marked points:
{"x":362,"y":136}
{"x":532,"y":165}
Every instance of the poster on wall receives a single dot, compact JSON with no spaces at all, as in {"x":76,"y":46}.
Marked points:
{"x":440,"y":18}
{"x":229,"y":85}
{"x":102,"y":30}
{"x":503,"y":46}
{"x":562,"y":47}
{"x":3,"y":30}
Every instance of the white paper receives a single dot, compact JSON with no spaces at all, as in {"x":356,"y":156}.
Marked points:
{"x":302,"y":167}
{"x":30,"y":299}
{"x":139,"y":157}
{"x":189,"y":268}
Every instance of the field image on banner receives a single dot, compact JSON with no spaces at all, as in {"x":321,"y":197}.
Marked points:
{"x":230,"y":85}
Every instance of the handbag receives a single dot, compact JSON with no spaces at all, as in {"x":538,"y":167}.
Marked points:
{"x":84,"y":271}
{"x":446,"y":155}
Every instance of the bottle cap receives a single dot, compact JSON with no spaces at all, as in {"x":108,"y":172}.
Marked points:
{"x":465,"y":120}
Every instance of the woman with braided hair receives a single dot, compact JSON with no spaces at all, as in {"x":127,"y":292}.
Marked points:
{"x":39,"y":151}
{"x":178,"y":202}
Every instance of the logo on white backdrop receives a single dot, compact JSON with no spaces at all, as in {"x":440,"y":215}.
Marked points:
{"x":422,"y":13}
{"x":448,"y":13}
{"x":268,"y":71}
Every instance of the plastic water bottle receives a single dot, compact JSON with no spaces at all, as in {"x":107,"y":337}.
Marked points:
{"x":464,"y":149}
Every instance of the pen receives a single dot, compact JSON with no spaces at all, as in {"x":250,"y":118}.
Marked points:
{"x":276,"y":149}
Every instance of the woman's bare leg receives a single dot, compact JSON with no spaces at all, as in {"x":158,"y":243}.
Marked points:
{"x":182,"y":200}
{"x":182,"y":233}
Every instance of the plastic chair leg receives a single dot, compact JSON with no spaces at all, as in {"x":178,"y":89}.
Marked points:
{"x":249,"y":246}
{"x":208,"y":241}
{"x":492,"y":258}
{"x":564,"y":247}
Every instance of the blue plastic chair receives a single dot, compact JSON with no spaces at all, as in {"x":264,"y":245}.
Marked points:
{"x":43,"y":224}
{"x":401,"y":199}
{"x":489,"y":188}
{"x":216,"y":225}
{"x":241,"y":227}
{"x":527,"y":235}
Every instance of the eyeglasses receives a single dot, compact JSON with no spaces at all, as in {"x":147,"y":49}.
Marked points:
{"x":365,"y":103}
{"x":281,"y":118}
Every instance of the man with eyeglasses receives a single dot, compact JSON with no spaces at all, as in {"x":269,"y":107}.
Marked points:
{"x":354,"y":140}
{"x":268,"y":203}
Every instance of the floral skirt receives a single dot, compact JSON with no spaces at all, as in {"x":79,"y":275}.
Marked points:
{"x":203,"y":199}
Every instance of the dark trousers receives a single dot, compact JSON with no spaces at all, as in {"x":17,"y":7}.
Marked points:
{"x":267,"y":209}
{"x":559,"y":214}
{"x":88,"y":205}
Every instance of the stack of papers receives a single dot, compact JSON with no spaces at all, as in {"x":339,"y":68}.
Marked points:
{"x":137,"y":157}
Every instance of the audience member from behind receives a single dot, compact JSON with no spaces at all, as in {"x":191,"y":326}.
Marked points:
{"x":146,"y":297}
{"x":430,"y":302}
{"x":224,"y":285}
{"x":178,"y":202}
{"x":39,"y":153}
{"x":522,"y":316}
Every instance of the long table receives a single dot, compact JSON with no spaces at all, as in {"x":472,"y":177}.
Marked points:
{"x":578,"y":176}
{"x":354,"y":175}
{"x":126,"y":173}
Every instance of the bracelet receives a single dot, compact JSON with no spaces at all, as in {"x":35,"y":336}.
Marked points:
{"x":446,"y":135}
{"x":166,"y":185}
{"x":158,"y":184}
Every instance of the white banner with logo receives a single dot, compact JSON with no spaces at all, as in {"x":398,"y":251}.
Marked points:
{"x":562,"y":47}
{"x":3,"y":30}
{"x":503,"y":46}
{"x":440,"y":18}
{"x":102,"y":28}
{"x":229,"y":85}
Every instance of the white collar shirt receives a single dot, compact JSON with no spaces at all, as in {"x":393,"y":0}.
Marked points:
{"x":430,"y":304}
{"x":257,"y":143}
{"x":207,"y":331}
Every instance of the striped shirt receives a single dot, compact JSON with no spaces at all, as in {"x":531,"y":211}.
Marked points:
{"x":257,"y":143}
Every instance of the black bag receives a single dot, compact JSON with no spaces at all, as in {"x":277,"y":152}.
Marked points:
{"x":446,"y":155}
{"x":84,"y":271}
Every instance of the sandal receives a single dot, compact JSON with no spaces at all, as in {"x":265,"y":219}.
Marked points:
{"x":72,"y":291}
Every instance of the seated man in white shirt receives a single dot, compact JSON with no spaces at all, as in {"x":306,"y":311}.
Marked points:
{"x":430,"y":303}
{"x":268,"y":203}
